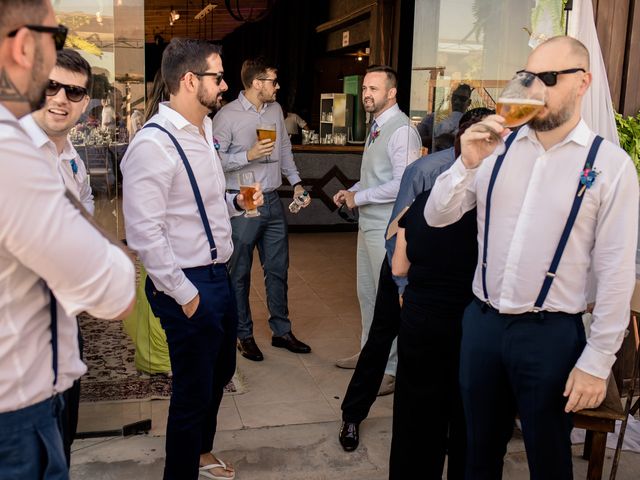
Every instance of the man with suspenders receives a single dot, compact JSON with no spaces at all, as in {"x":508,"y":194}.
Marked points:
{"x":177,"y":220}
{"x":558,"y":206}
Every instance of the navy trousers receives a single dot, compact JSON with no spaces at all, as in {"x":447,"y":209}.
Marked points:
{"x":269,"y":233}
{"x":518,"y":364}
{"x":31,"y":444}
{"x":203,"y":359}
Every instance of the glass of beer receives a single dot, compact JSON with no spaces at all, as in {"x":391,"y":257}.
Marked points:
{"x":266,"y":131}
{"x":247,"y":183}
{"x":519,"y":102}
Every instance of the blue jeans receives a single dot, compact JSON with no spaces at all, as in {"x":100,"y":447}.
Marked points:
{"x":518,"y":364}
{"x":31,"y":444}
{"x":269,"y":233}
{"x":203,"y":359}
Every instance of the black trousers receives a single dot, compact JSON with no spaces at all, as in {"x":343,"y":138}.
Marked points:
{"x":518,"y":363}
{"x":203,"y":359}
{"x":367,"y":377}
{"x":428,"y":419}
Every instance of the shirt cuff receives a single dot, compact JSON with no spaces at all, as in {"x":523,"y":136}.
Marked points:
{"x":236,"y":205}
{"x":184,"y":293}
{"x":360,"y":198}
{"x":293,"y":179}
{"x":460,"y":173}
{"x":595,"y":363}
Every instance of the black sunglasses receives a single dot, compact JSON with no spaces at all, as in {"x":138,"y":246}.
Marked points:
{"x":218,"y":75}
{"x":274,"y":80}
{"x":59,"y":33}
{"x":73,"y":93}
{"x":345,"y":215}
{"x":551,"y":78}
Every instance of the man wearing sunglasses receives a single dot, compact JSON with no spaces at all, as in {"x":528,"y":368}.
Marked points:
{"x":53,"y":263}
{"x":557,"y":208}
{"x":235,"y":129}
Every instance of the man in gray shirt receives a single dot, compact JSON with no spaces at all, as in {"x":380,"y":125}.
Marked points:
{"x":234,"y":130}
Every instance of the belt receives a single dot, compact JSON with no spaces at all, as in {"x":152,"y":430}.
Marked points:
{"x":486,"y":306}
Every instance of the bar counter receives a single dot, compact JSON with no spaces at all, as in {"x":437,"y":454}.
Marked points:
{"x":324,"y":170}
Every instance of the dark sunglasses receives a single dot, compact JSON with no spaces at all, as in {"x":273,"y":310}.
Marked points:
{"x":59,"y":33}
{"x":551,"y":78}
{"x":218,"y":75}
{"x":274,"y":80}
{"x":345,"y":215}
{"x":73,"y":93}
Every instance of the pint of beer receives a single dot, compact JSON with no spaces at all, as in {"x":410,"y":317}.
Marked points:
{"x":517,"y":111}
{"x":247,"y":184}
{"x":266,"y":133}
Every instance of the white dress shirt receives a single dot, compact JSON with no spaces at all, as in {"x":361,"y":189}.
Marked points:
{"x":43,"y":238}
{"x":77,"y":183}
{"x":531,"y":201}
{"x":161,"y":215}
{"x":403,"y":148}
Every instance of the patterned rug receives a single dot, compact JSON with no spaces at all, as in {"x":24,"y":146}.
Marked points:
{"x":112,"y":375}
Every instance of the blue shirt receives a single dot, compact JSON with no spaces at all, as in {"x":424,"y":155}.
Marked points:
{"x":418,"y":177}
{"x":234,"y":130}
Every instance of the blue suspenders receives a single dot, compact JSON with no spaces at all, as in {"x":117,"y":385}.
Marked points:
{"x":194,"y":186}
{"x":53,"y":310}
{"x":577,"y":202}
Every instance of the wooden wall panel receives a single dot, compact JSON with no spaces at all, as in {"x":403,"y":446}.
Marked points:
{"x":631,"y":98}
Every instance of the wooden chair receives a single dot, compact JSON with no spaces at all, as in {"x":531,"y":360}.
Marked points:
{"x":600,"y":421}
{"x":97,"y":161}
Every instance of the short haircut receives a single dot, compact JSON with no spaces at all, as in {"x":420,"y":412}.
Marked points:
{"x":463,"y":86}
{"x":16,"y":13}
{"x":392,"y":75}
{"x":253,"y":68}
{"x":74,"y":62}
{"x":578,"y":49}
{"x":184,"y":55}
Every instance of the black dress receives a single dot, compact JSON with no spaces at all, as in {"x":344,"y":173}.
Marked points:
{"x":428,"y":419}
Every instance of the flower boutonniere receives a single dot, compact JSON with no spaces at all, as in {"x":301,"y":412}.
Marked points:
{"x":375,"y":134}
{"x":74,"y":166}
{"x":587,"y":177}
{"x":216,"y":143}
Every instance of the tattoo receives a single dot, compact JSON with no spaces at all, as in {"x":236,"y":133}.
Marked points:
{"x":8,"y":91}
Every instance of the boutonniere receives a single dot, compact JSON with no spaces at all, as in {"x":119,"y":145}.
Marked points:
{"x":587,"y":177}
{"x":216,"y":143}
{"x":374,"y":135}
{"x":74,"y":166}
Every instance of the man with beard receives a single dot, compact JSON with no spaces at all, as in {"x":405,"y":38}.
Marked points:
{"x":177,"y":220}
{"x":67,"y":97}
{"x":523,"y":345}
{"x":392,"y":144}
{"x":48,"y":274}
{"x":234,"y":128}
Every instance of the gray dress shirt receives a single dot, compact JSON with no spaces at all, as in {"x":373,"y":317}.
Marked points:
{"x":234,"y":130}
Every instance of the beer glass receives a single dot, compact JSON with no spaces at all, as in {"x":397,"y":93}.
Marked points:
{"x":519,"y":102}
{"x":247,"y":183}
{"x":266,"y":131}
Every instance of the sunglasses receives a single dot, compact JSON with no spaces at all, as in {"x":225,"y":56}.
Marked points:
{"x":73,"y":93}
{"x":218,"y":75}
{"x":59,"y":33}
{"x":551,"y":78}
{"x":345,"y":215}
{"x":274,"y":80}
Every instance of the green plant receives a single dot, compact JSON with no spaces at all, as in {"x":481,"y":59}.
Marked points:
{"x":629,"y":133}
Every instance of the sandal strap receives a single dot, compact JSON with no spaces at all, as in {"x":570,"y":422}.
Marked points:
{"x":214,"y":465}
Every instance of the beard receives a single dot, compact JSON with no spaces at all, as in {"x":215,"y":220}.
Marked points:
{"x":39,"y":81}
{"x":556,"y":119}
{"x":208,"y":101}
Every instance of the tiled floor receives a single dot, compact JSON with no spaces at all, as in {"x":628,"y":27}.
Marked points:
{"x":284,"y":389}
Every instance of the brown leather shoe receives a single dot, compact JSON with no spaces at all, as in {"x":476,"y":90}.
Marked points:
{"x":248,"y":349}
{"x":291,"y":343}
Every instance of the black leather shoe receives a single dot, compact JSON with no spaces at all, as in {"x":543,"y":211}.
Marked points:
{"x":248,"y":348}
{"x":291,"y":343}
{"x":349,"y":436}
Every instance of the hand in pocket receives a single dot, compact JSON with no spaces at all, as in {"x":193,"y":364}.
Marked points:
{"x":190,"y":308}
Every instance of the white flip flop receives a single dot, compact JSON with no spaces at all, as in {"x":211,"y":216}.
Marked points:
{"x":204,"y":471}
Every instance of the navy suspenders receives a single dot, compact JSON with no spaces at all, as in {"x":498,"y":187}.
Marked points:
{"x":53,"y":309}
{"x":194,"y":186}
{"x":577,"y":202}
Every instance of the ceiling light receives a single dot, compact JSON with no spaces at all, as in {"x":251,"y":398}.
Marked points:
{"x":359,"y":58}
{"x":173,"y":16}
{"x":99,"y":18}
{"x":205,"y":11}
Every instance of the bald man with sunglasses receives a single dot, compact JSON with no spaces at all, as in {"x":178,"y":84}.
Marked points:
{"x":560,"y":204}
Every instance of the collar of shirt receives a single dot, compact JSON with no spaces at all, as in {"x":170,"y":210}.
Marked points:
{"x":386,"y":115}
{"x":247,"y":105}
{"x":579,"y":135}
{"x":180,"y":122}
{"x":40,"y":139}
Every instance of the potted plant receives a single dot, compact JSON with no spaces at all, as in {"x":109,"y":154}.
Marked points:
{"x":629,"y":133}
